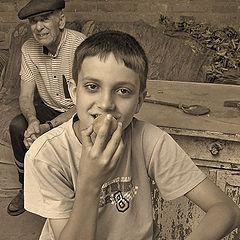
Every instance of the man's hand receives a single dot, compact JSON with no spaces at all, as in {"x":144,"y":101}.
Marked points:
{"x":99,"y":158}
{"x":34,"y":130}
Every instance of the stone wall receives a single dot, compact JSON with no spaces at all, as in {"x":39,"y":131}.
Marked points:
{"x":217,"y":12}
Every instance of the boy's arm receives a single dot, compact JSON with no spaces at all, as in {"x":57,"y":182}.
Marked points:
{"x":96,"y":165}
{"x":222,"y":214}
{"x":83,"y":221}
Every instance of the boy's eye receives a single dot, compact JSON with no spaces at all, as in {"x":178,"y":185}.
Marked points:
{"x":91,"y":87}
{"x":123,"y":91}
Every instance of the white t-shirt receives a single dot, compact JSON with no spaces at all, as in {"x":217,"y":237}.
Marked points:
{"x":125,"y":212}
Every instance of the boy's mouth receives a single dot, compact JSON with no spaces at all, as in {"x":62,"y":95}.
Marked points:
{"x":97,"y":115}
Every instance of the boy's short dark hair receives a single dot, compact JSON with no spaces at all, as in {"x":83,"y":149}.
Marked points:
{"x":124,"y":47}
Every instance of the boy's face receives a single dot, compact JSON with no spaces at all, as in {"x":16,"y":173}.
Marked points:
{"x":106,"y":86}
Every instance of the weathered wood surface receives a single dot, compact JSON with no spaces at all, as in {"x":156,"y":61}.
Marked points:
{"x":222,"y":122}
{"x":177,"y":218}
{"x":212,"y":141}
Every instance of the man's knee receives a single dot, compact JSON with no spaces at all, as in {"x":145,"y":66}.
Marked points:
{"x":18,"y":125}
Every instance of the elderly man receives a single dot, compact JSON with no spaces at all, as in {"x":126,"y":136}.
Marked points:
{"x":46,"y":65}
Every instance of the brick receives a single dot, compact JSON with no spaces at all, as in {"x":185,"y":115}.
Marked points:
{"x":7,"y":7}
{"x":20,"y":4}
{"x":6,"y":27}
{"x":114,"y":17}
{"x":227,"y":19}
{"x":85,"y":6}
{"x":215,"y":12}
{"x":224,"y":1}
{"x":193,"y":8}
{"x":4,"y":45}
{"x":123,"y":1}
{"x":146,"y":7}
{"x":8,"y":18}
{"x":2,"y":36}
{"x":119,"y":6}
{"x":86,"y":1}
{"x":225,"y":9}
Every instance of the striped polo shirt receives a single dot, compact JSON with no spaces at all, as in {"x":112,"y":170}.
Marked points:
{"x":51,"y":72}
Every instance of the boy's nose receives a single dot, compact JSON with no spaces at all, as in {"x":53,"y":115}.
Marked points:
{"x":106,"y":102}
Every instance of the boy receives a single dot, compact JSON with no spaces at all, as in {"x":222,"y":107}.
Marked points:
{"x":96,"y":186}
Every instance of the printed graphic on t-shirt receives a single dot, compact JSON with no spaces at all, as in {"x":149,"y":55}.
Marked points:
{"x":119,"y":192}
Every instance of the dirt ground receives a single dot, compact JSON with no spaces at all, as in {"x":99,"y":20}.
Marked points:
{"x":26,"y":226}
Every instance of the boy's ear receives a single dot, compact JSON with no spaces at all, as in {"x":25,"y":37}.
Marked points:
{"x":141,"y":98}
{"x":72,"y":88}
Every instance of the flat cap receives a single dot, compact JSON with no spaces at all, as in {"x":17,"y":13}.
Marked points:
{"x":35,"y":7}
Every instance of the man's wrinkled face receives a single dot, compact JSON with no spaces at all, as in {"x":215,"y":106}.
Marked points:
{"x":46,"y":28}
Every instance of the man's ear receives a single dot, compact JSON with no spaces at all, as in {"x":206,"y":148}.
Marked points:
{"x":141,"y":98}
{"x":62,"y":21}
{"x":72,"y":88}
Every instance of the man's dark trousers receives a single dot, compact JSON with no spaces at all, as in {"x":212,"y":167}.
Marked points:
{"x":17,"y":128}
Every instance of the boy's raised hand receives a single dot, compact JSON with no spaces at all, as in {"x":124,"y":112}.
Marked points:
{"x":100,"y":157}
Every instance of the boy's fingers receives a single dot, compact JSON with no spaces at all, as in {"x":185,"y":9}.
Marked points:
{"x":86,"y":136}
{"x":118,"y":153}
{"x":93,"y":137}
{"x":114,"y":142}
{"x":103,"y":134}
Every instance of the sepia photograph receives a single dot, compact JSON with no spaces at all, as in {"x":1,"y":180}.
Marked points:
{"x":120,"y":119}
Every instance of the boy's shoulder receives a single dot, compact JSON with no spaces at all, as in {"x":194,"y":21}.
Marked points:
{"x":147,"y":129}
{"x":54,"y":138}
{"x":148,"y":135}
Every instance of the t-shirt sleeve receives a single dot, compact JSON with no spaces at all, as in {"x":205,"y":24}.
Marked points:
{"x":172,"y":169}
{"x":47,"y":191}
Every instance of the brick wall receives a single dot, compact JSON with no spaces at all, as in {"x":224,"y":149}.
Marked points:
{"x":217,"y":12}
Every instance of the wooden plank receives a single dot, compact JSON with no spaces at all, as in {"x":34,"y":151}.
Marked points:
{"x":221,"y":152}
{"x":219,"y":122}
